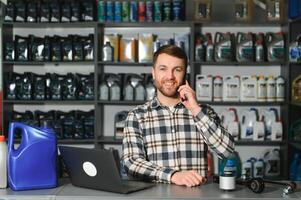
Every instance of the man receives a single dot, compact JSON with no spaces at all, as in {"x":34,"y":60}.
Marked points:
{"x":166,"y":138}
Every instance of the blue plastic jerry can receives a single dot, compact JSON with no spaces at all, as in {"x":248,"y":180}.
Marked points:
{"x":33,"y":164}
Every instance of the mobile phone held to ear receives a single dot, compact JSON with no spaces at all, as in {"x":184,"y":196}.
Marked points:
{"x":186,"y":78}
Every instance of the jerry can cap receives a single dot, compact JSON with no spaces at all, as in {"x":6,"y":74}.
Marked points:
{"x":2,"y":138}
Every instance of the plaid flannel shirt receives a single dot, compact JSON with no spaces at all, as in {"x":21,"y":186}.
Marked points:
{"x":159,"y":141}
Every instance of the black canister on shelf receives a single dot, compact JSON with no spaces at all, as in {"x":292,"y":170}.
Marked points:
{"x":32,"y":12}
{"x":65,"y":12}
{"x":55,"y":11}
{"x":20,"y":11}
{"x":39,"y":87}
{"x":10,"y":12}
{"x":44,"y":12}
{"x":21,"y":48}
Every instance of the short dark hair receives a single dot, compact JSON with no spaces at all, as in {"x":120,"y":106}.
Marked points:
{"x":171,"y":50}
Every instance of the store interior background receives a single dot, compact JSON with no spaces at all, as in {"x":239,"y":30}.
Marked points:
{"x":245,"y":151}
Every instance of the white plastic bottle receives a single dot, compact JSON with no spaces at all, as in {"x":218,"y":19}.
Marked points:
{"x":3,"y":169}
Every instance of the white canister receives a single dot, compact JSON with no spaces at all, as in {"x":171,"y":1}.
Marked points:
{"x":280,"y":88}
{"x":3,"y":158}
{"x":271,"y":89}
{"x":217,"y":88}
{"x":261,"y":89}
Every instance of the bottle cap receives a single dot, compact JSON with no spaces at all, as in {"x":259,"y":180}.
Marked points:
{"x":2,"y":138}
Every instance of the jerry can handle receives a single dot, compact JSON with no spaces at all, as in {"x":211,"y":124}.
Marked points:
{"x":12,"y":127}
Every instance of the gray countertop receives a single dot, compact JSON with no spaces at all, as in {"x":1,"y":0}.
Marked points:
{"x":161,"y":191}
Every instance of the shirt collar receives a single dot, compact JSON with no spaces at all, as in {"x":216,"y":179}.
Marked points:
{"x":155,"y":103}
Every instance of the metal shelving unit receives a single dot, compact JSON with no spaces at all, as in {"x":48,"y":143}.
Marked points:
{"x":195,"y":67}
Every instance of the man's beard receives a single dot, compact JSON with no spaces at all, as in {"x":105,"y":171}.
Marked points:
{"x":167,"y":92}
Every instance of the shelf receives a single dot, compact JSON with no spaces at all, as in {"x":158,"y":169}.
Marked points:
{"x":51,"y":25}
{"x":108,"y":102}
{"x":68,"y":141}
{"x":239,"y":103}
{"x":125,"y":64}
{"x":50,"y":102}
{"x":239,"y":24}
{"x":175,"y":24}
{"x":298,"y":104}
{"x":258,"y":143}
{"x":141,"y":24}
{"x":234,"y":63}
{"x":296,"y":145}
{"x":108,"y":140}
{"x":76,"y":141}
{"x":297,"y":20}
{"x":35,"y":63}
{"x":295,"y":63}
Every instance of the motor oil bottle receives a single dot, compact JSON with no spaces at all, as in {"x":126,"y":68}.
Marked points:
{"x":259,"y":48}
{"x":271,"y":158}
{"x":248,"y":119}
{"x":248,"y":88}
{"x":275,"y":46}
{"x":230,"y":122}
{"x":258,"y":169}
{"x":209,"y":48}
{"x":128,"y":91}
{"x":243,"y":10}
{"x":103,"y":89}
{"x":258,"y":131}
{"x":296,"y":89}
{"x":294,"y":55}
{"x":114,"y":87}
{"x":234,"y":157}
{"x":231,"y":88}
{"x":139,"y":88}
{"x":269,"y":116}
{"x":277,"y":131}
{"x":119,"y":123}
{"x":223,"y":47}
{"x":247,"y":169}
{"x":261,"y":89}
{"x":3,"y":162}
{"x":209,"y":51}
{"x":271,"y":89}
{"x":280,"y":89}
{"x":217,"y":88}
{"x":149,"y":87}
{"x":204,"y":87}
{"x":33,"y":164}
{"x":244,"y":47}
{"x":107,"y":52}
{"x":199,"y":49}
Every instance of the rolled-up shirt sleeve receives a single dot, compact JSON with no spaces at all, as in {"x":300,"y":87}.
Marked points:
{"x":215,"y":135}
{"x":134,"y":155}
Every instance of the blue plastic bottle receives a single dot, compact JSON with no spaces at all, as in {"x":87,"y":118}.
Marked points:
{"x":33,"y":164}
{"x":294,"y":9}
{"x":234,"y":160}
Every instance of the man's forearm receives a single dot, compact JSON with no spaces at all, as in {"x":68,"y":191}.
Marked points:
{"x":215,"y":135}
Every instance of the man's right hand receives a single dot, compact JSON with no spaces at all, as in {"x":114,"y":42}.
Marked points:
{"x":188,"y":178}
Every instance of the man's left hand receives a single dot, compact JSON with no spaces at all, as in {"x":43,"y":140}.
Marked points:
{"x":188,"y":98}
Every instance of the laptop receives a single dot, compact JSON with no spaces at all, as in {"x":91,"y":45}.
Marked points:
{"x":97,"y":169}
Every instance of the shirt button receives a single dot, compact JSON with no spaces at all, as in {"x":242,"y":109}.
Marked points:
{"x":173,"y":130}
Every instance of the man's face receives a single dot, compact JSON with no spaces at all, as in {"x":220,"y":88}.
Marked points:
{"x":168,"y":74}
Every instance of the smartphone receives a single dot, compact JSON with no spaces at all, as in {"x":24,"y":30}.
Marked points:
{"x":186,"y":78}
